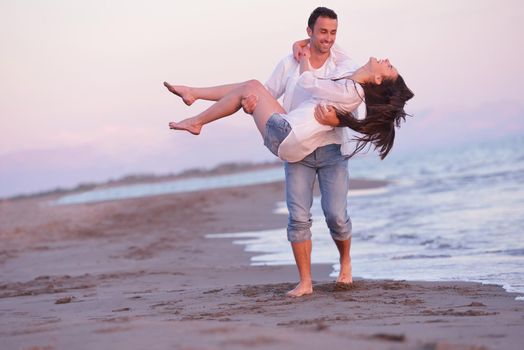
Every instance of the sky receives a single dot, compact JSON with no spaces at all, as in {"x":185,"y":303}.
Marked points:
{"x":81,"y":95}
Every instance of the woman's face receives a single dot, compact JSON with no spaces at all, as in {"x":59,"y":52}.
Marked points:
{"x":382,"y":68}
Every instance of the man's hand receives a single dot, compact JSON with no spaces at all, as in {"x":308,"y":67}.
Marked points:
{"x":326,"y":115}
{"x":249,"y":103}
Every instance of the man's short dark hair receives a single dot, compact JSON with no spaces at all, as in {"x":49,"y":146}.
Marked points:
{"x":320,"y":12}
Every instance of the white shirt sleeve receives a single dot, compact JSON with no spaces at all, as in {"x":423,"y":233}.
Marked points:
{"x":341,"y":92}
{"x":276,"y":84}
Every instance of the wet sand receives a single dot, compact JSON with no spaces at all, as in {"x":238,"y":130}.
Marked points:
{"x":140,"y":274}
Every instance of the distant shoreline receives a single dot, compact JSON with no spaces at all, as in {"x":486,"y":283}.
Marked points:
{"x":135,"y":179}
{"x":222,"y":169}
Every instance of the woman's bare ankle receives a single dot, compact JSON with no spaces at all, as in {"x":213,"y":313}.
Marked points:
{"x":189,"y":125}
{"x":184,"y":92}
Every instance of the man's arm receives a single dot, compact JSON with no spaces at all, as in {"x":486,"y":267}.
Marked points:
{"x":346,"y":97}
{"x":276,"y":84}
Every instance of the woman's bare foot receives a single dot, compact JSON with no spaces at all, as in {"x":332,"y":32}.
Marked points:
{"x":303,"y":288}
{"x":188,"y":124}
{"x":183,"y":92}
{"x":345,"y":275}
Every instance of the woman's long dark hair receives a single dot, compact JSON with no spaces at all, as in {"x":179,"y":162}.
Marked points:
{"x":384,"y":111}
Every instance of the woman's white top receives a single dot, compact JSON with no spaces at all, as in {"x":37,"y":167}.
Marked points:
{"x":307,"y":133}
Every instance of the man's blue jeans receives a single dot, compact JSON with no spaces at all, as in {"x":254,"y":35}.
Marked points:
{"x":333,"y":179}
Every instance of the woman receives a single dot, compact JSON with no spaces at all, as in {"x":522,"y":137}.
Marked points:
{"x":294,"y":135}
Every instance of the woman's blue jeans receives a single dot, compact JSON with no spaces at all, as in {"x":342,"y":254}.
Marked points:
{"x":333,"y":178}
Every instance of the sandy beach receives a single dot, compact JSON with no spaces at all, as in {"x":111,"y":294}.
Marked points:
{"x":140,"y":274}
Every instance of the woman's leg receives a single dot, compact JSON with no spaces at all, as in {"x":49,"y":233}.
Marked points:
{"x":230,"y":103}
{"x":191,"y":94}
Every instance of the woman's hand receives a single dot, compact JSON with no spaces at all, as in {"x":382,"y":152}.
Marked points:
{"x":297,"y":48}
{"x":326,"y":115}
{"x":249,"y":103}
{"x":304,"y":60}
{"x":305,"y":53}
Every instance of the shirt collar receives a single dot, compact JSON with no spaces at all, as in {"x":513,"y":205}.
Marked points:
{"x":332,"y":70}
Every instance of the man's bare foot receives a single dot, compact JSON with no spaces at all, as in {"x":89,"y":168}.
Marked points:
{"x":182,"y":91}
{"x":303,"y":288}
{"x":345,"y":275}
{"x":187,"y":125}
{"x":342,"y":287}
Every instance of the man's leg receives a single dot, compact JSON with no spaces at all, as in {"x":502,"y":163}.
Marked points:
{"x":300,"y":179}
{"x":333,"y":177}
{"x":344,"y":248}
{"x":302,"y":254}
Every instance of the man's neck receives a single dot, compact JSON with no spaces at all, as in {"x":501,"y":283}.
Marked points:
{"x":318,"y":59}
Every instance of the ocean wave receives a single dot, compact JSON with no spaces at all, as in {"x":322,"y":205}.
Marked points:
{"x":511,"y":252}
{"x":420,"y":256}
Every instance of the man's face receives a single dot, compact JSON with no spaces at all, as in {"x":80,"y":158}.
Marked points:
{"x":323,"y":34}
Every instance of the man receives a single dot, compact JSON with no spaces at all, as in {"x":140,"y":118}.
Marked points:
{"x":327,"y":161}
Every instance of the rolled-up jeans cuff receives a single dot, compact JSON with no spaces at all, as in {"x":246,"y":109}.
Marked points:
{"x":341,"y":236}
{"x":296,"y":236}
